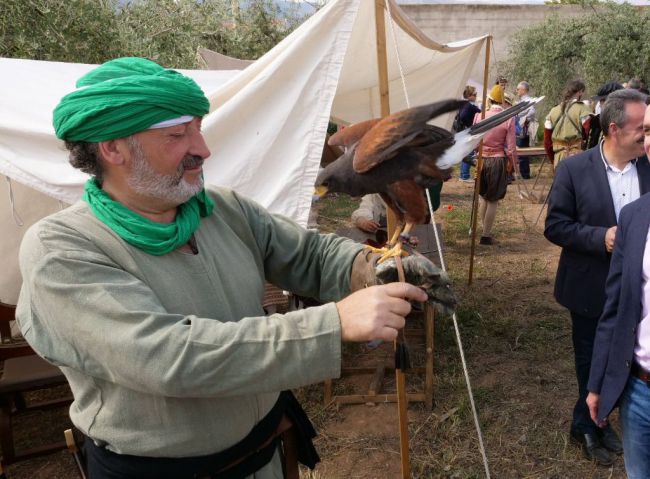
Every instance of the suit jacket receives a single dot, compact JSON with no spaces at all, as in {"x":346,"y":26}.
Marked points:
{"x":580,"y":210}
{"x":616,"y":334}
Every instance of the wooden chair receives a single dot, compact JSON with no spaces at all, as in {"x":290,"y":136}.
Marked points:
{"x":74,"y":440}
{"x":23,"y":371}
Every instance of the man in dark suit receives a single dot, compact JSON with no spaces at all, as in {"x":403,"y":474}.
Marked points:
{"x":588,"y":193}
{"x":620,"y":367}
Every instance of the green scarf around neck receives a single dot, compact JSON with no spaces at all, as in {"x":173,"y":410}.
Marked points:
{"x":154,"y":238}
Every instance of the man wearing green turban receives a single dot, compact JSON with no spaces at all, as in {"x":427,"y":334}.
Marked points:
{"x":147,"y":293}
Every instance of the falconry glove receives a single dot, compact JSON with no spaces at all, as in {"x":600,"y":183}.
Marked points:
{"x":363,"y":270}
{"x":418,"y":271}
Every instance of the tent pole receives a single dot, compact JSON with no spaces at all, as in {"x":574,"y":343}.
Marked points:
{"x":384,"y":101}
{"x":382,"y":59}
{"x":384,"y":94}
{"x":479,"y":164}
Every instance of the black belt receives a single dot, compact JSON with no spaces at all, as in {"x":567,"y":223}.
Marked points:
{"x":640,"y":373}
{"x":243,"y":459}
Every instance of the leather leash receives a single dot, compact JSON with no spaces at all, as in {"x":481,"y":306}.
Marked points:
{"x":400,"y":379}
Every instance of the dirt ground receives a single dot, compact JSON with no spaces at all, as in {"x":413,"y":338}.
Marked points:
{"x":517,"y":343}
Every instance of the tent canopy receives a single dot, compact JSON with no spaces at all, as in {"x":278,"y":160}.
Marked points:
{"x":267,"y":123}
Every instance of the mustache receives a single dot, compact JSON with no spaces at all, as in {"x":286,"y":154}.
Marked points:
{"x":190,"y":161}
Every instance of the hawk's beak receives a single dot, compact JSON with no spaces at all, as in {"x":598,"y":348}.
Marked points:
{"x":320,"y":191}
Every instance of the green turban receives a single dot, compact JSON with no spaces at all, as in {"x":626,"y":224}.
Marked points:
{"x":125,"y":96}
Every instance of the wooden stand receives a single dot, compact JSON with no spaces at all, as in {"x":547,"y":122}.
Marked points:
{"x":385,"y":368}
{"x":420,"y":342}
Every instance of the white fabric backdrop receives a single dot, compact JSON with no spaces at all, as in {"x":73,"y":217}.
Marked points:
{"x":267,"y":123}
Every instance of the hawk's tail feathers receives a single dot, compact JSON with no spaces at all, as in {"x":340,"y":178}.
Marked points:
{"x":486,"y":125}
{"x":465,"y":141}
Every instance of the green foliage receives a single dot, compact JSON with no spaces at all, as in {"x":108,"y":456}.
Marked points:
{"x":82,"y":31}
{"x":605,"y":44}
{"x":617,"y":47}
{"x":167,"y":31}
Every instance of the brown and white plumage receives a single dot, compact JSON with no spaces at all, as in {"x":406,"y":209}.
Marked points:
{"x":399,"y":155}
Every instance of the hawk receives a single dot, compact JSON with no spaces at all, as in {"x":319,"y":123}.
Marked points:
{"x":400,"y":155}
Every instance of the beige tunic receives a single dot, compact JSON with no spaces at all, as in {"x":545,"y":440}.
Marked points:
{"x":172,"y":355}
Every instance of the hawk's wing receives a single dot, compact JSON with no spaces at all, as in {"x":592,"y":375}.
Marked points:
{"x":348,"y":136}
{"x":388,"y":135}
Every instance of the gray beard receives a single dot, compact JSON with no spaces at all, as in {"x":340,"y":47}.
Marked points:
{"x":145,"y":181}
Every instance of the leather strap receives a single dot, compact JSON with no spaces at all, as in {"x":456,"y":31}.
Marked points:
{"x":400,"y":269}
{"x":290,"y":450}
{"x":402,"y":360}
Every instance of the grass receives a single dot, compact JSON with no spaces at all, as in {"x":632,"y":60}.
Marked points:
{"x":334,"y":211}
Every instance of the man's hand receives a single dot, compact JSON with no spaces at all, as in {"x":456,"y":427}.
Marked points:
{"x":592,"y":403}
{"x":377,"y":312}
{"x":610,"y":235}
{"x":369,"y":226}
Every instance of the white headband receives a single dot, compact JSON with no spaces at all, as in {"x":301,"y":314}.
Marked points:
{"x":172,"y":122}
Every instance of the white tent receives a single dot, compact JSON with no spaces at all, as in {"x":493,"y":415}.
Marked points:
{"x":267,"y":123}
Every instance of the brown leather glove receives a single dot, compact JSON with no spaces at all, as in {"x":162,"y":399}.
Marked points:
{"x":363,"y":270}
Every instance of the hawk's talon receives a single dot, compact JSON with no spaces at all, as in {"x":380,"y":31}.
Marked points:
{"x":373,"y":249}
{"x":392,"y":253}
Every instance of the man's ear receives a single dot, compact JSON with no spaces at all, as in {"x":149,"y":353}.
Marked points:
{"x":113,"y":151}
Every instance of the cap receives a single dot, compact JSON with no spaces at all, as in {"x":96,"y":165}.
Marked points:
{"x":496,"y":94}
{"x":606,"y":89}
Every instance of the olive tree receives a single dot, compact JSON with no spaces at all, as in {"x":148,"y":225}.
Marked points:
{"x":170,"y":31}
{"x":81,"y":31}
{"x":608,"y":43}
{"x":167,"y":31}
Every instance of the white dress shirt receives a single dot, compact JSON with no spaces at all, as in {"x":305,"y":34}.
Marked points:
{"x":623,"y":184}
{"x":529,"y":113}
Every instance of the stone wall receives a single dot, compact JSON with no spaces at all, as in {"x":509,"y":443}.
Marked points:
{"x":449,"y":22}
